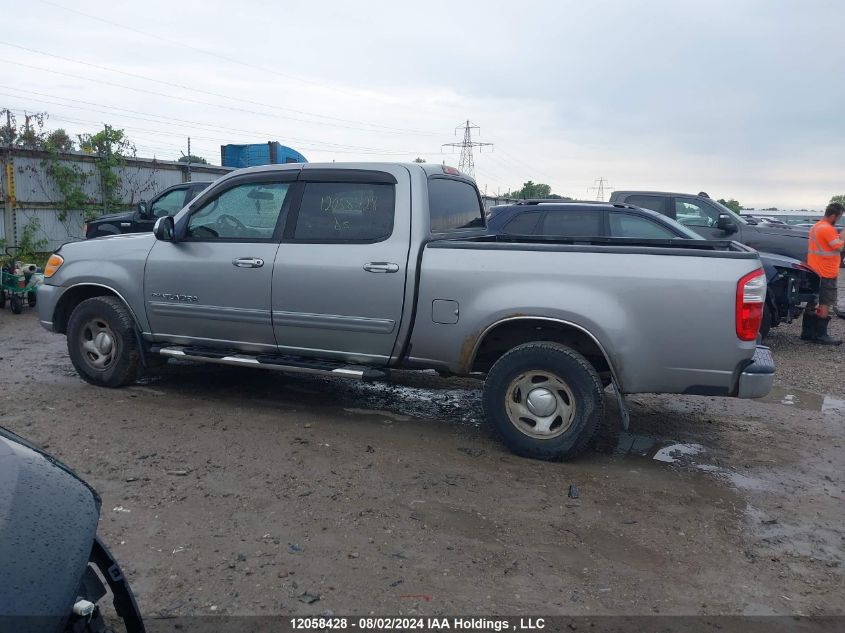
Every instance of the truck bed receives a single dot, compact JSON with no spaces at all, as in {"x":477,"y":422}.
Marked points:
{"x":668,"y":324}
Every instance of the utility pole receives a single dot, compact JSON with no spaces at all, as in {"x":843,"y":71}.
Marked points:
{"x":188,"y":161}
{"x":467,"y":162}
{"x":601,"y":183}
{"x":108,"y":166}
{"x":8,"y":174}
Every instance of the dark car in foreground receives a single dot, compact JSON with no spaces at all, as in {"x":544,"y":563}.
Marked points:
{"x":141,"y":220}
{"x":790,"y":282}
{"x":54,"y":568}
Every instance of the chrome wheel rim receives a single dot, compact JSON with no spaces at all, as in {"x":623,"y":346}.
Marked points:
{"x":540,"y":405}
{"x":98,"y":343}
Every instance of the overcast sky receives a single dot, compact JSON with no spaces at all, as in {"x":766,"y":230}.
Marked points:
{"x":741,"y":99}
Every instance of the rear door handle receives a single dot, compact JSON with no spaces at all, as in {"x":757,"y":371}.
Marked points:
{"x":248,"y":262}
{"x":381,"y":267}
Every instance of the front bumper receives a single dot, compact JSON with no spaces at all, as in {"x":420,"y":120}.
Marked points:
{"x":757,"y":377}
{"x":48,"y":297}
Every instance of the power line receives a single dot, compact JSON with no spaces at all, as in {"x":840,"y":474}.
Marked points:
{"x":207,"y":149}
{"x":187,"y":99}
{"x":195,"y":124}
{"x":467,"y":163}
{"x":376,"y":127}
{"x":211,"y":53}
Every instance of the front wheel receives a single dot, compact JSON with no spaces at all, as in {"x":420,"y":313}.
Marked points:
{"x":101,"y":342}
{"x":545,"y":400}
{"x":16,"y":303}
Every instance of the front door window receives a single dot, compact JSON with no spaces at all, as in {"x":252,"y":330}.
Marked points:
{"x":692,"y":212}
{"x":245,"y":212}
{"x":169,"y":204}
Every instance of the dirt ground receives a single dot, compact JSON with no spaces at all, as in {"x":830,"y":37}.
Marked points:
{"x":234,"y":491}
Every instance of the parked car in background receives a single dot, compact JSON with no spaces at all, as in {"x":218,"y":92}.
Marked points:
{"x":56,"y":570}
{"x":168,"y":202}
{"x":350,"y":270}
{"x":714,"y":221}
{"x":791,"y":282}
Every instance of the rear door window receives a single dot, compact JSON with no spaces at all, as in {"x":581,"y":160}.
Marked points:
{"x":573,"y":223}
{"x":524,"y":223}
{"x":345,"y":212}
{"x":453,"y":205}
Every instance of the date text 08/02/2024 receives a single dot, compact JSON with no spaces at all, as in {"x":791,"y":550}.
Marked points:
{"x":421,"y":624}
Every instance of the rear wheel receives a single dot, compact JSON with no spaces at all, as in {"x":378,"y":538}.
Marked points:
{"x":101,"y":342}
{"x":545,"y":400}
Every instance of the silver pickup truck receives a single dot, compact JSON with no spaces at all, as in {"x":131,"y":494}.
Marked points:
{"x":354,"y":269}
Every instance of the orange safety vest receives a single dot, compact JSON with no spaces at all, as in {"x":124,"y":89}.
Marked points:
{"x":821,"y":256}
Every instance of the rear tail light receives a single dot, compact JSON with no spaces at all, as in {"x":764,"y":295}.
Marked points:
{"x":750,"y":300}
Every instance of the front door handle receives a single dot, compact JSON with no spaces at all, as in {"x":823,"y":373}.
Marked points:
{"x":248,"y":262}
{"x":381,"y":267}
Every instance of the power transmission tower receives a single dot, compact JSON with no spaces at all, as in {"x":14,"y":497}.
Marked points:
{"x":601,"y":183}
{"x":467,"y":162}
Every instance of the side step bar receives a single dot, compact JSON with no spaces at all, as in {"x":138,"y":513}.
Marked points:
{"x":289,"y":364}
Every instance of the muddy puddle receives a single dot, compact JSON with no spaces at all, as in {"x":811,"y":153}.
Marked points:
{"x":808,"y":400}
{"x":687,"y":455}
{"x":409,"y":397}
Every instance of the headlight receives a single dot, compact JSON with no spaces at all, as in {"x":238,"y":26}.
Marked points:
{"x":53,"y":264}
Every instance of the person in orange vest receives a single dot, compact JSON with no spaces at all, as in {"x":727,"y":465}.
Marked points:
{"x":824,"y":254}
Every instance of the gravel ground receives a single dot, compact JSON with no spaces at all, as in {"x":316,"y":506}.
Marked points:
{"x":233,"y":491}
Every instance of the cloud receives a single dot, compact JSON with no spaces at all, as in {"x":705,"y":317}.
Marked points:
{"x":742,"y":99}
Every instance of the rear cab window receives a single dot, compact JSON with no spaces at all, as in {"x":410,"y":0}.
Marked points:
{"x":453,"y":205}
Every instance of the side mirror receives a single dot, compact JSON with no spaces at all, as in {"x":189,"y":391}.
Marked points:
{"x":726,"y":223}
{"x":142,"y":208}
{"x":164,"y":229}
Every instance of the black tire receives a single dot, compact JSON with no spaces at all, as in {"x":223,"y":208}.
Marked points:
{"x":31,"y":298}
{"x":766,"y":323}
{"x":16,"y":303}
{"x":579,"y":384}
{"x":2,"y":298}
{"x":110,"y":361}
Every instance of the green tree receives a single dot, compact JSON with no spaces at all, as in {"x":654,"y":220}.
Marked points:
{"x":195,"y":160}
{"x":840,"y":198}
{"x":59,"y":140}
{"x":731,"y":204}
{"x":110,"y":147}
{"x":536,"y":190}
{"x":30,"y":136}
